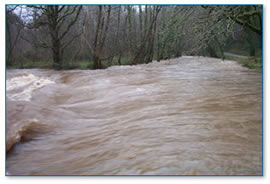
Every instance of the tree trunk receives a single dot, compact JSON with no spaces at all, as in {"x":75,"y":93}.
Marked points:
{"x":57,"y":54}
{"x":211,"y":51}
{"x":158,"y":45}
{"x":101,"y":32}
{"x":117,"y":36}
{"x":9,"y":47}
{"x":12,"y":44}
{"x":98,"y":30}
{"x":220,"y":46}
{"x":119,"y":58}
{"x":54,"y":32}
{"x":141,"y":23}
{"x":130,"y":50}
{"x":145,"y":52}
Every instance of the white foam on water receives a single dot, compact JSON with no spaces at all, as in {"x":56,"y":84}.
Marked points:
{"x":140,"y":89}
{"x":31,"y":81}
{"x":183,"y":116}
{"x":17,"y":82}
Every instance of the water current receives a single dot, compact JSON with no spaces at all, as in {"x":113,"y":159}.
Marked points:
{"x":185,"y":116}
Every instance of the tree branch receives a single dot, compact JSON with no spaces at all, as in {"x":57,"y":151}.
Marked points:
{"x":61,"y":8}
{"x":12,"y":9}
{"x":71,"y":40}
{"x":71,"y":24}
{"x":67,"y":14}
{"x":252,"y":27}
{"x":37,"y":43}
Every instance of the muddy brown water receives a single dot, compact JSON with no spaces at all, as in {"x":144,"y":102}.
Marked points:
{"x":185,"y":116}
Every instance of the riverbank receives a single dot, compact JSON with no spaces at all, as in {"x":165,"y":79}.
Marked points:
{"x":68,"y":65}
{"x":249,"y":62}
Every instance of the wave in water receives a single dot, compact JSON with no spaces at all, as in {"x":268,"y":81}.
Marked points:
{"x":22,"y":87}
{"x":185,"y":116}
{"x":25,"y":131}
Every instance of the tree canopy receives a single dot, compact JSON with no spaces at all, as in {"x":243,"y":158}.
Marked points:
{"x":105,"y":35}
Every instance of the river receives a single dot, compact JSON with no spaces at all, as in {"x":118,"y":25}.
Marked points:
{"x":184,"y":116}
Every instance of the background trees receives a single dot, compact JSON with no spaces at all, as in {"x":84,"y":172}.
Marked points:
{"x":96,"y":37}
{"x":59,"y":20}
{"x":13,"y":32}
{"x":103,"y":20}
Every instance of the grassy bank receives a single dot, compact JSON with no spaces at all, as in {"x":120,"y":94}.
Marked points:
{"x":249,"y":62}
{"x":68,"y":65}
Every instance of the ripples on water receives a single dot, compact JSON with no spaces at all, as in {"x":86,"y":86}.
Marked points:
{"x":187,"y":116}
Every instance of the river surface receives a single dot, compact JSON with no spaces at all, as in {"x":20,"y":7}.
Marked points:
{"x":185,"y":116}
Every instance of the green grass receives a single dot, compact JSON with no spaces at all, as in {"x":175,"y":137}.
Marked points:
{"x":124,"y":61}
{"x":31,"y":64}
{"x":68,"y":65}
{"x":243,"y":51}
{"x":239,"y":51}
{"x":83,"y":65}
{"x":250,"y":62}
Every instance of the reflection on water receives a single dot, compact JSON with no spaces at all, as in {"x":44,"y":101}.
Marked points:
{"x":186,"y":116}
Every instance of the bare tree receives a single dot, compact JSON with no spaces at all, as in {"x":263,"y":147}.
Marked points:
{"x":103,"y":21}
{"x":59,"y":20}
{"x":144,"y":53}
{"x":105,"y":35}
{"x":13,"y":30}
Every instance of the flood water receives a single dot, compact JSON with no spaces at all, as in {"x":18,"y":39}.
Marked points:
{"x":185,"y":116}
